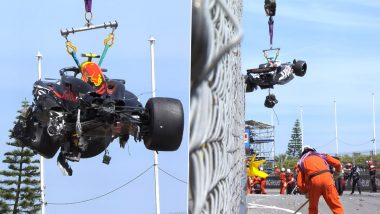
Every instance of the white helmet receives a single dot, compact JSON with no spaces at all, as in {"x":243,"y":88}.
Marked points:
{"x":282,"y":169}
{"x":261,"y":168}
{"x":306,"y":149}
{"x":288,"y":170}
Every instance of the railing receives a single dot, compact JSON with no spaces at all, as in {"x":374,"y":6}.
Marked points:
{"x":273,"y":182}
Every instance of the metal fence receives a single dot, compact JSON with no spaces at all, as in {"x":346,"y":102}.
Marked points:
{"x":217,"y":108}
{"x":273,"y":182}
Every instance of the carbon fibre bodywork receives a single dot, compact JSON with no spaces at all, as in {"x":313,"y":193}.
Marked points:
{"x":83,"y":117}
{"x":270,"y":74}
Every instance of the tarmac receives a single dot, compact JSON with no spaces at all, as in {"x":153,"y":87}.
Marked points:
{"x":275,"y":203}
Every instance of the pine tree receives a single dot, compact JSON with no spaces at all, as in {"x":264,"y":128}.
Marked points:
{"x":3,"y":205}
{"x":20,"y":183}
{"x":295,"y":142}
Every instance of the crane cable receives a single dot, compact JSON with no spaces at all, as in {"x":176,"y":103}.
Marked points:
{"x":270,"y":10}
{"x":270,"y":23}
{"x":88,"y":13}
{"x":100,"y":196}
{"x":114,"y":190}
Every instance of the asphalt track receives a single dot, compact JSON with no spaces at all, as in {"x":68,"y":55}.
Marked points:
{"x":275,"y":203}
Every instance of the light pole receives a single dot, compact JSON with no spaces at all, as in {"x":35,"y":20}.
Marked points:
{"x":336,"y":130}
{"x":301,"y":112}
{"x":374,"y":123}
{"x":39,"y":69}
{"x":274,"y":141}
{"x":157,"y":189}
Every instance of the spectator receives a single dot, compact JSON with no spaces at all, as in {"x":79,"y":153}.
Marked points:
{"x":372,"y":177}
{"x":355,"y":176}
{"x":291,"y":184}
{"x":337,"y":179}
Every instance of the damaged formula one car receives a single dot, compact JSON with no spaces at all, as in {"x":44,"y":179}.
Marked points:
{"x":273,"y":72}
{"x":84,"y":111}
{"x":82,"y":116}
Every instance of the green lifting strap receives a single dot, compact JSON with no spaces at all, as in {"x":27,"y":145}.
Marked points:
{"x":103,"y":54}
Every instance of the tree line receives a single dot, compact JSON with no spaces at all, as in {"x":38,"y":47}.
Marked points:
{"x":292,"y":155}
{"x":20,"y":190}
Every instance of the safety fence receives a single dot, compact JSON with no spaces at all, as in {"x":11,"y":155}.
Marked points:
{"x":216,"y":150}
{"x":273,"y":182}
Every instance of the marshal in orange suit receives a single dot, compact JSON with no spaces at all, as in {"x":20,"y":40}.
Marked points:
{"x":315,"y":180}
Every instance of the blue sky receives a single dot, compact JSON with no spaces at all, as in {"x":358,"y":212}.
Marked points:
{"x":29,"y":26}
{"x":340,"y":42}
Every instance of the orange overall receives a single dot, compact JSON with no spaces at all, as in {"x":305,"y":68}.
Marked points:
{"x":315,"y":181}
{"x":248,"y":182}
{"x":254,"y":181}
{"x":262,"y":185}
{"x":282,"y":182}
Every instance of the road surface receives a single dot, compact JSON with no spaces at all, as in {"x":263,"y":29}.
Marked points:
{"x":275,"y":203}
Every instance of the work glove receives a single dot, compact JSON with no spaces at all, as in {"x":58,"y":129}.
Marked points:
{"x":336,"y":175}
{"x":307,"y":195}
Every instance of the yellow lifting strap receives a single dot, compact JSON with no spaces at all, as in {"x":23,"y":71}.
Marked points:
{"x":69,"y":46}
{"x":109,"y":40}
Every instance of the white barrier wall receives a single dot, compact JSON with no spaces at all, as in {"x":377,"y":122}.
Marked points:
{"x":217,"y":109}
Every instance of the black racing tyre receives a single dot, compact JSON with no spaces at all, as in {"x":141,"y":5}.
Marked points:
{"x":300,"y":68}
{"x":249,"y":85}
{"x":165,"y":124}
{"x":44,"y":144}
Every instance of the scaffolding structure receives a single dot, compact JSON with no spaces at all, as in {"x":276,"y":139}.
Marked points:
{"x":260,"y":140}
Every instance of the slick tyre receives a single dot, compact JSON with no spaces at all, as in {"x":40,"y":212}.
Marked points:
{"x":165,"y":124}
{"x":44,"y":144}
{"x":300,"y":68}
{"x":249,"y":85}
